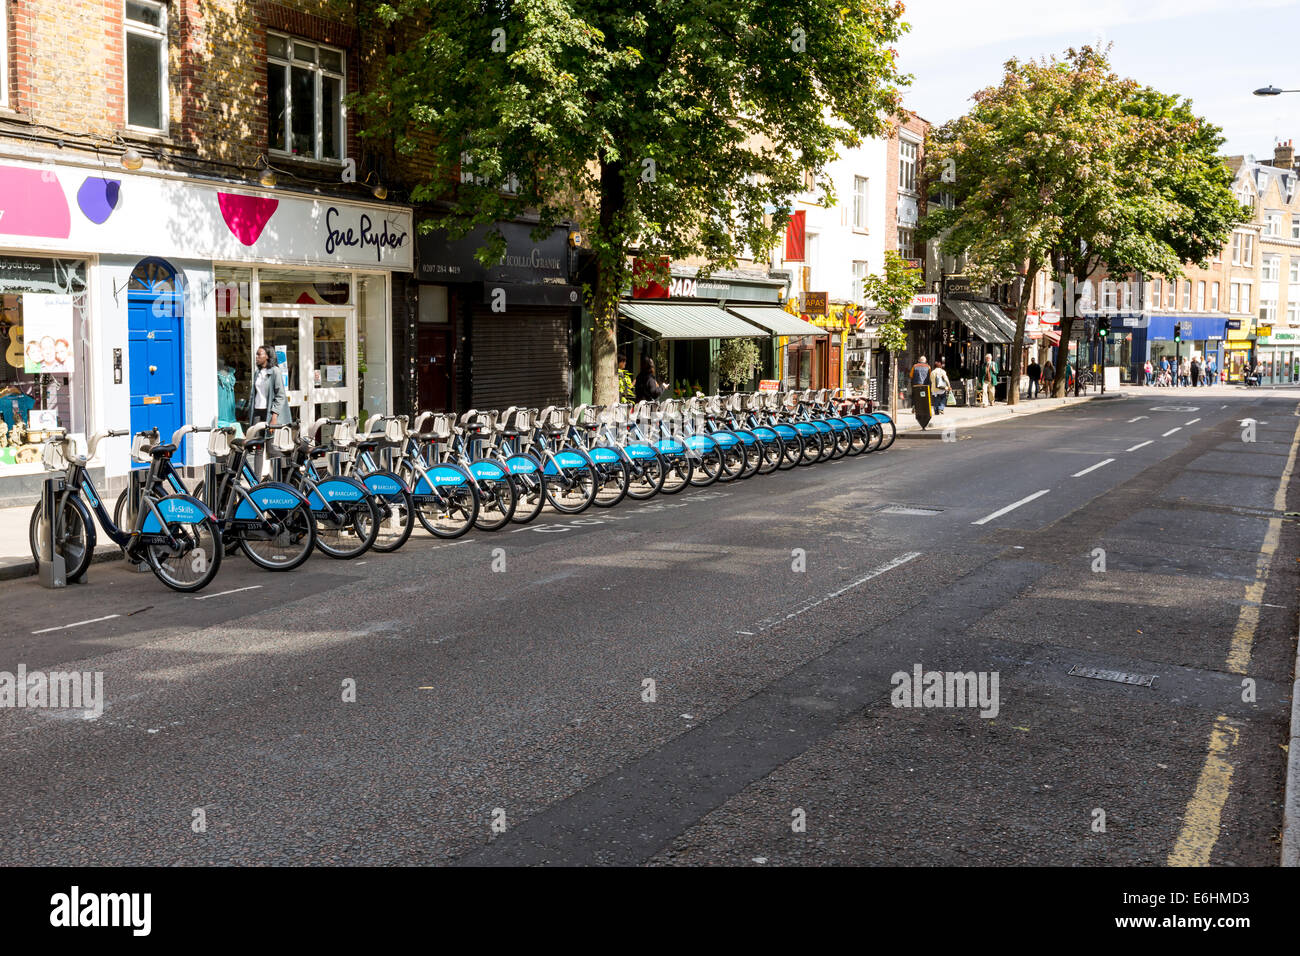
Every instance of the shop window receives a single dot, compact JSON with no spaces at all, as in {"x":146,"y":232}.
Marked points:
{"x":296,"y":287}
{"x":372,"y":345}
{"x":146,"y":64}
{"x":305,"y":92}
{"x":234,"y":343}
{"x":45,"y":336}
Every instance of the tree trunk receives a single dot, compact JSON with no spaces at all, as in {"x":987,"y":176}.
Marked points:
{"x":893,"y":389}
{"x":1063,"y":357}
{"x":1018,"y":342}
{"x":610,"y":246}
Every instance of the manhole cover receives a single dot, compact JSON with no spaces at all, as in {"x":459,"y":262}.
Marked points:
{"x":1119,"y":677}
{"x":909,"y":510}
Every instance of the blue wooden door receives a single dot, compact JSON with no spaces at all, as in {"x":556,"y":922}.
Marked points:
{"x":156,"y":363}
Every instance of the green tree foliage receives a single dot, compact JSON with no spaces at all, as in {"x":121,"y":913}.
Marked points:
{"x":736,"y":361}
{"x":892,"y":293}
{"x":673,"y":127}
{"x":1068,"y":165}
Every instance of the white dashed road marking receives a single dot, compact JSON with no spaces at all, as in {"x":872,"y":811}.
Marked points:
{"x":1012,"y":507}
{"x":1080,"y":474}
{"x":64,"y":627}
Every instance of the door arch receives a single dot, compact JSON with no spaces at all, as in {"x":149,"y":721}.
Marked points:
{"x":155,"y":305}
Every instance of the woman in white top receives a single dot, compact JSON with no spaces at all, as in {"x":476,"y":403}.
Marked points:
{"x":268,"y":397}
{"x":940,"y":386}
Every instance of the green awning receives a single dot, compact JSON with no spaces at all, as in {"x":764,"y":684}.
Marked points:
{"x":776,"y":319}
{"x":689,"y":321}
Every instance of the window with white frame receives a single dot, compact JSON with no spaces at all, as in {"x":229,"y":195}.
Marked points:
{"x":1295,"y":225}
{"x":860,"y":184}
{"x":1293,"y":312}
{"x":1270,"y":268}
{"x":1243,"y":249}
{"x":1187,"y":294}
{"x":1108,"y":295}
{"x":1268,"y":310}
{"x":1214,"y":297}
{"x":906,"y":166}
{"x":1200,"y":296}
{"x":1157,"y":293}
{"x":1246,"y":198}
{"x":305,"y":90}
{"x":1293,"y":274}
{"x":906,"y":243}
{"x":146,"y":65}
{"x":1273,"y":222}
{"x":1234,"y":297}
{"x":859,"y":274}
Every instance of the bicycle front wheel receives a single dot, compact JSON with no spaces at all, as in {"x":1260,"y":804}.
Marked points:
{"x":350,"y":532}
{"x":75,"y":540}
{"x":193,"y":561}
{"x":288,"y":548}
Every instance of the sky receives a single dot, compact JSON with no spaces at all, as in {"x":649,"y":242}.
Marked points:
{"x":1213,"y":51}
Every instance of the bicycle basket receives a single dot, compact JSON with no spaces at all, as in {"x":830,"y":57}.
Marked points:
{"x":345,"y":434}
{"x":620,"y":414}
{"x":438,"y":427}
{"x":592,"y":415}
{"x":556,"y":419}
{"x":283,"y":439}
{"x":219,"y":442}
{"x":521,"y":421}
{"x":137,"y":447}
{"x":735,"y":401}
{"x":394,"y":430}
{"x":52,"y":455}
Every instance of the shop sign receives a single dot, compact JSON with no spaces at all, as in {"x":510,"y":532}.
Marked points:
{"x":813,"y":303}
{"x":1264,"y":331}
{"x":525,"y":260}
{"x":64,"y":208}
{"x":1232,"y":324}
{"x":768,"y":385}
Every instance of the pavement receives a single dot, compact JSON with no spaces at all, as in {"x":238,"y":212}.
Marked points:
{"x":712,"y":678}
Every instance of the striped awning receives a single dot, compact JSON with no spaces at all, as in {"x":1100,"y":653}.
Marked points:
{"x":978,"y":321}
{"x":690,"y":321}
{"x":776,"y":320}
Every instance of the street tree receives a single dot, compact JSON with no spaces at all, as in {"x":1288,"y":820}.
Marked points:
{"x":891,"y":291}
{"x":675,"y":128}
{"x":1068,"y":165}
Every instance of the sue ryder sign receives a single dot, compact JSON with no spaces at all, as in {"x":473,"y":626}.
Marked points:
{"x":66,"y":208}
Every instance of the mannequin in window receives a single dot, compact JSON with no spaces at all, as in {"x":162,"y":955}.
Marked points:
{"x":226,"y":399}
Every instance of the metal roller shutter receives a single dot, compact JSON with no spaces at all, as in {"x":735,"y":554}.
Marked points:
{"x":520,"y":359}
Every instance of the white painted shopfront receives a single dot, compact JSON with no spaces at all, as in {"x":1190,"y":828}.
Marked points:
{"x":155,"y":290}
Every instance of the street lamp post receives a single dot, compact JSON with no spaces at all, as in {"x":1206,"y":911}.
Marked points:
{"x":1272,"y":91}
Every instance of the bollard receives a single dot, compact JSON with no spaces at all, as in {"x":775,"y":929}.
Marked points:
{"x":210,"y":485}
{"x":52,"y":569}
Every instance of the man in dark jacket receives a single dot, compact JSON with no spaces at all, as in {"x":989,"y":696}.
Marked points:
{"x":1035,"y":372}
{"x":647,"y":387}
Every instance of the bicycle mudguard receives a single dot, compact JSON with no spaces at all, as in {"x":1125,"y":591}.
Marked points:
{"x":269,"y":496}
{"x":603,"y":456}
{"x":568,"y":458}
{"x":384,"y":483}
{"x":485,"y":470}
{"x":725,"y":439}
{"x":805,"y":429}
{"x":701,"y":443}
{"x":821,"y":426}
{"x":879,"y":417}
{"x":336,"y":489}
{"x":670,"y":446}
{"x":853,"y":421}
{"x":763,"y":433}
{"x":184,"y":508}
{"x":440,"y":476}
{"x":745,"y":436}
{"x":521,"y":465}
{"x":836,"y":424}
{"x":785,"y":431}
{"x":639,"y":451}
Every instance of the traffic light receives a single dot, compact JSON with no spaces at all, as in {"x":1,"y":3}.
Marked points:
{"x":1178,"y":332}
{"x":1103,"y":327}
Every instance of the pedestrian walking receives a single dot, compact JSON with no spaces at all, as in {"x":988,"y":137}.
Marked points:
{"x":988,"y":381}
{"x":1147,"y":372}
{"x":1195,"y":369}
{"x":920,"y":372}
{"x":1034,"y":372}
{"x":940,"y":387}
{"x":1211,"y":371}
{"x":1184,"y":375}
{"x":1049,"y":375}
{"x":1164,"y":370}
{"x":647,"y":388}
{"x":268,"y":394}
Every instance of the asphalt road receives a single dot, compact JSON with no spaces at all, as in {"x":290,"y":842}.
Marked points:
{"x":502,"y":717}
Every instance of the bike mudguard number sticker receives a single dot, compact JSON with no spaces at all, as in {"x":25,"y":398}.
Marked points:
{"x":765,"y":434}
{"x":725,"y":439}
{"x":803,"y":428}
{"x":268,"y":499}
{"x":335,"y":490}
{"x":785,"y":431}
{"x":382,"y":485}
{"x":639,"y":451}
{"x":670,"y":446}
{"x":564,"y":459}
{"x":701,"y":443}
{"x":521,"y":465}
{"x":174,"y":508}
{"x":439,"y":476}
{"x":486,"y":471}
{"x":603,"y":456}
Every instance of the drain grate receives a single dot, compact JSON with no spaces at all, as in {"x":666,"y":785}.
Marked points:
{"x":1119,"y":677}
{"x":908,"y":510}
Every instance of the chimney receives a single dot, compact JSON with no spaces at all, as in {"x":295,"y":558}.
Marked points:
{"x":1283,"y":155}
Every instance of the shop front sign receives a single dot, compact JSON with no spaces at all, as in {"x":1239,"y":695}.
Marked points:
{"x":525,"y":260}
